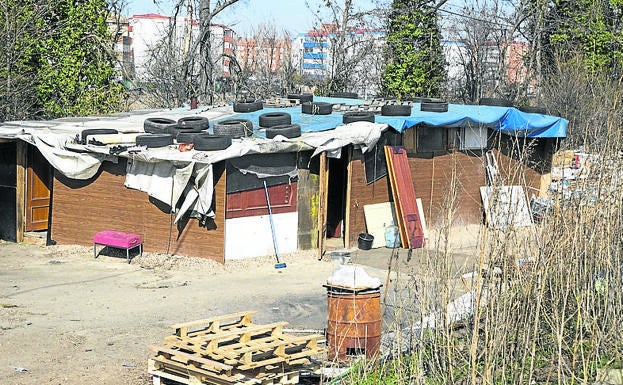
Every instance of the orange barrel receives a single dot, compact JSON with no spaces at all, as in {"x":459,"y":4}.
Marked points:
{"x":354,"y":322}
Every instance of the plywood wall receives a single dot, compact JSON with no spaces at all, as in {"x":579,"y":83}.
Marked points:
{"x":82,"y":208}
{"x":362,"y":194}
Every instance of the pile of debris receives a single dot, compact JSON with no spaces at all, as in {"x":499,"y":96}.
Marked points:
{"x":231,"y":349}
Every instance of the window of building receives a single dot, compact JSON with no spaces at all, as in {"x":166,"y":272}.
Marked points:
{"x":426,"y":140}
{"x":473,"y":138}
{"x":431,"y":139}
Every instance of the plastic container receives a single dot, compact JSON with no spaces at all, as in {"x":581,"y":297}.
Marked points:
{"x":392,"y":237}
{"x":365,"y":241}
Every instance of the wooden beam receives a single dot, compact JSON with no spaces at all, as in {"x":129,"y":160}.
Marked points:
{"x":20,"y":189}
{"x":323,"y":197}
{"x":348,"y":178}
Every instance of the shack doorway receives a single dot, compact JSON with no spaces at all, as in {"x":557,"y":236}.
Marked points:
{"x":336,"y":199}
{"x":8,"y":191}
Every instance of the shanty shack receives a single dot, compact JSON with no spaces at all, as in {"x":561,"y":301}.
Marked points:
{"x":241,"y":200}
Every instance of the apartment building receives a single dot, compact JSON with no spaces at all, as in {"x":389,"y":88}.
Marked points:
{"x":313,"y":55}
{"x":148,"y":31}
{"x":263,"y":54}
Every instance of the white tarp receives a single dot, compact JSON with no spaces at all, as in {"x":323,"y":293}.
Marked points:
{"x":352,"y":277}
{"x":164,"y":181}
{"x":71,"y":164}
{"x":363,"y":134}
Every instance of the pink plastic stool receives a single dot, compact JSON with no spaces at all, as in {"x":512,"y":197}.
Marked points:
{"x":119,"y":240}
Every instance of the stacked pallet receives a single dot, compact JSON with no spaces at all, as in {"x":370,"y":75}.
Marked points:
{"x":231,"y":349}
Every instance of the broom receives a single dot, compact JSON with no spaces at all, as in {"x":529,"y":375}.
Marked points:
{"x":279,"y":264}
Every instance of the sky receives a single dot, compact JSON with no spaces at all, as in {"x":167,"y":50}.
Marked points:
{"x":291,"y":15}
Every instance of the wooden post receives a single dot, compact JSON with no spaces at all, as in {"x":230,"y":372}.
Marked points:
{"x":546,"y":181}
{"x":307,"y":207}
{"x":322,"y":203}
{"x":21,"y":162}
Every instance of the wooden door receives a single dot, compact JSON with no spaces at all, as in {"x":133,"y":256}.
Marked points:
{"x":38,"y":179}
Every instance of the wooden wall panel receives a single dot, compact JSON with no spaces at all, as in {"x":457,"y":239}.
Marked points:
{"x":432,"y":179}
{"x":307,"y":207}
{"x":82,"y":208}
{"x":283,"y":199}
{"x":433,"y":182}
{"x":514,"y":172}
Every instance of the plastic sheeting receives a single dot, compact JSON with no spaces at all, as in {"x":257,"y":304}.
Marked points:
{"x":163,"y":181}
{"x":508,"y":120}
{"x":352,"y":277}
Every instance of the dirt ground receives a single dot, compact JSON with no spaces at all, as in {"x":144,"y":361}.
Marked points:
{"x":67,"y":318}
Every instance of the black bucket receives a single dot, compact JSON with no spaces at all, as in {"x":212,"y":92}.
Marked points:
{"x":365,"y":241}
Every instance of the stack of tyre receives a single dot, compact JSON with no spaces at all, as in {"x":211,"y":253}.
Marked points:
{"x":162,"y":132}
{"x":303,"y":98}
{"x":433,"y":105}
{"x":279,"y":123}
{"x":224,"y":131}
{"x":248,"y":105}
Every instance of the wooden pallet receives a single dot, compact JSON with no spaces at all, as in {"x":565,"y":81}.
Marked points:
{"x":162,"y":370}
{"x":231,"y":349}
{"x":214,"y":324}
{"x":281,"y":103}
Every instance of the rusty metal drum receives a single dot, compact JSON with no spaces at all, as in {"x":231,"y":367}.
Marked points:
{"x":354,"y":322}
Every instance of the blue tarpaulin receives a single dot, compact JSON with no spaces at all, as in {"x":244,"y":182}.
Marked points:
{"x":508,"y":120}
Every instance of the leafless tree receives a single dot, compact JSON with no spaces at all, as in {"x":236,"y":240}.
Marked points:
{"x":201,"y":51}
{"x":485,"y":51}
{"x":590,"y":101}
{"x":352,"y":42}
{"x":265,"y":58}
{"x":189,"y":60}
{"x":168,"y":85}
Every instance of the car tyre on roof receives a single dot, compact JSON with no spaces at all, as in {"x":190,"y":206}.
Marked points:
{"x":358,"y":116}
{"x":154,"y":140}
{"x":236,"y":128}
{"x":84,"y":135}
{"x":533,"y":109}
{"x":499,"y":102}
{"x":434,"y":107}
{"x":287,"y":130}
{"x":396,"y":110}
{"x":158,"y":125}
{"x":317,"y":108}
{"x":304,"y":98}
{"x":198,"y":123}
{"x":208,"y":142}
{"x":345,"y":95}
{"x":248,"y":105}
{"x":186,"y":137}
{"x":271,"y":119}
